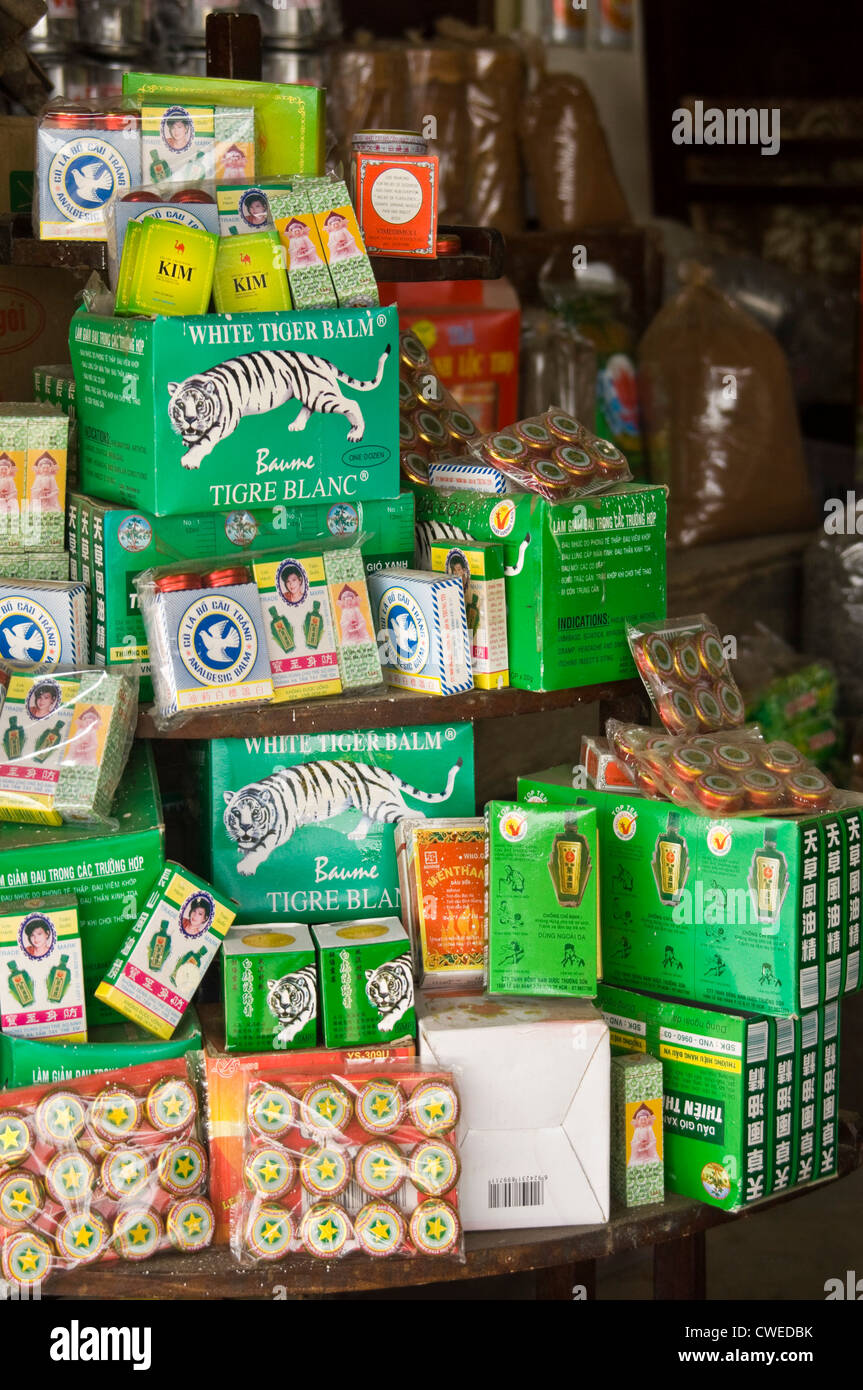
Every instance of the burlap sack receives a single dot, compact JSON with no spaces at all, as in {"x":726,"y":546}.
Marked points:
{"x":567,"y":157}
{"x":720,"y":420}
{"x":366,"y":91}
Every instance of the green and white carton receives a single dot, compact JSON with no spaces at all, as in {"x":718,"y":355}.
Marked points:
{"x":299,"y":827}
{"x":367,"y":983}
{"x":33,"y":1061}
{"x":575,"y":572}
{"x":270,"y":987}
{"x":758,"y":912}
{"x":121,"y":543}
{"x":541,"y":899}
{"x":185,"y":415}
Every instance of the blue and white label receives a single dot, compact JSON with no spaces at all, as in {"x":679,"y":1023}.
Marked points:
{"x":407,"y":630}
{"x":28,"y":632}
{"x":84,"y":175}
{"x":217,"y":641}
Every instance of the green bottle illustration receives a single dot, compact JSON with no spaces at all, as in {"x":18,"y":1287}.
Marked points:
{"x":59,"y":979}
{"x":670,"y":861}
{"x":45,"y":742}
{"x":20,"y":984}
{"x":472,"y":611}
{"x":313,"y":626}
{"x":196,"y":171}
{"x":159,"y":948}
{"x":160,"y":170}
{"x":282,"y":631}
{"x":13,"y":739}
{"x":186,"y":972}
{"x":768,"y":878}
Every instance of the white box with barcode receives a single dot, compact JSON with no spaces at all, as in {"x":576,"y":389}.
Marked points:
{"x":533,"y":1077}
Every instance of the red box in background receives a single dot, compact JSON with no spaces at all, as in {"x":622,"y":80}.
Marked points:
{"x":471,"y":329}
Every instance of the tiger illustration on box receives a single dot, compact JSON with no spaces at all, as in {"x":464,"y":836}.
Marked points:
{"x":266,"y":814}
{"x":390,"y":990}
{"x":209,"y":406}
{"x":293,"y":1002}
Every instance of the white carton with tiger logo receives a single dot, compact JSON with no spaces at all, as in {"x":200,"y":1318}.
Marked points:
{"x":301,"y":826}
{"x":185,"y":415}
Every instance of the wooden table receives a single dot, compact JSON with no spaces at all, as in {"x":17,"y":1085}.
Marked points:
{"x":562,"y":1258}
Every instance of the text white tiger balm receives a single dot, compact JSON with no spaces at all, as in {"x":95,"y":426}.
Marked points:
{"x":367,"y":985}
{"x":422,"y":631}
{"x":168,"y":951}
{"x":270,"y":988}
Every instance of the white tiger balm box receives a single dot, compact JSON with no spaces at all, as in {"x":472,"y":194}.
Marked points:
{"x":479,"y":566}
{"x":269,"y":987}
{"x":180,"y":416}
{"x":367,"y":984}
{"x":422,"y":631}
{"x":167,"y":952}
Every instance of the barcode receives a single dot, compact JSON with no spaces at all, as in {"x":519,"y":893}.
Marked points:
{"x":831,"y":1020}
{"x":756,"y":1042}
{"x":784,"y":1036}
{"x":852,"y":974}
{"x":809,"y":987}
{"x":833,"y":977}
{"x":516,"y":1192}
{"x":809,"y":1031}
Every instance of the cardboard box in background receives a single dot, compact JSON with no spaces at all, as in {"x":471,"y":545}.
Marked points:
{"x":471,"y":329}
{"x":35,"y":308}
{"x":17,"y":162}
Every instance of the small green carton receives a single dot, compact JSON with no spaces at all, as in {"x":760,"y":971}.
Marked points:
{"x":367,"y":984}
{"x":270,"y":988}
{"x":637,"y":1173}
{"x":575,"y":572}
{"x":219,"y":411}
{"x":31,"y":1062}
{"x":542,"y":899}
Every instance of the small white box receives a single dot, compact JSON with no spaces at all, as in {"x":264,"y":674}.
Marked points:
{"x":533,"y":1077}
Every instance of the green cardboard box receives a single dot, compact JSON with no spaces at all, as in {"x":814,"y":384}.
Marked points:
{"x":111,"y":874}
{"x":721,"y":1129}
{"x":576,"y":573}
{"x":367,"y":984}
{"x":758,"y":912}
{"x":318,"y":845}
{"x":541,"y":899}
{"x":185,"y":415}
{"x":26,"y":1062}
{"x":121,"y":543}
{"x":270,"y":988}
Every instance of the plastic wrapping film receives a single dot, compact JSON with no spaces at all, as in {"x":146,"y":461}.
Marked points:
{"x":366,"y":91}
{"x":554,"y":456}
{"x":556,"y":363}
{"x":720,"y":421}
{"x":432,"y":424}
{"x":106,"y":1167}
{"x":84,"y":156}
{"x":363,"y":1162}
{"x":833,"y":607}
{"x":495,"y":90}
{"x":728,"y":773}
{"x":686,"y":674}
{"x":437,"y":76}
{"x":190,"y":205}
{"x":65,"y":739}
{"x":567,"y":157}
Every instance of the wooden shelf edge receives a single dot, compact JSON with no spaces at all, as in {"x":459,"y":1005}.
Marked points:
{"x":395,"y":707}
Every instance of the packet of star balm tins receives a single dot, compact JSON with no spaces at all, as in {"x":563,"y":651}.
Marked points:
{"x":685,"y":672}
{"x":554,"y":456}
{"x":168,"y":951}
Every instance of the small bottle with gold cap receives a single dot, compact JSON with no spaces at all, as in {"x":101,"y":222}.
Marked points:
{"x":45,"y":742}
{"x":670,"y":861}
{"x":20,"y":984}
{"x":59,"y":979}
{"x":160,"y":947}
{"x":282,"y":630}
{"x":313,"y":627}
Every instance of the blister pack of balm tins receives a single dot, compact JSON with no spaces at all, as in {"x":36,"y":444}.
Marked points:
{"x":65,"y":739}
{"x":360,"y":1163}
{"x":207,"y":639}
{"x":728,"y":773}
{"x":105,"y":1167}
{"x":553,"y":456}
{"x":84,"y":157}
{"x":432,"y":425}
{"x":685,"y":672}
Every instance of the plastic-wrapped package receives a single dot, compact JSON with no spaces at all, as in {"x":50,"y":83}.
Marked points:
{"x":364,"y":1162}
{"x":685,"y":672}
{"x":832,"y":611}
{"x":441,"y":878}
{"x":65,"y":738}
{"x":105,"y":1167}
{"x":432,"y":424}
{"x":567,"y":156}
{"x":728,"y":773}
{"x":84,"y":157}
{"x":190,"y":205}
{"x":789,"y":695}
{"x":556,"y":363}
{"x":495,"y":87}
{"x":437,"y":76}
{"x":34,"y":454}
{"x":720,"y":421}
{"x":366,"y":91}
{"x":554,"y":456}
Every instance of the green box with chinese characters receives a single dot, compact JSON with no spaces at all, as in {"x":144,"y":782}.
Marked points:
{"x":637,"y":1173}
{"x":185,"y":415}
{"x":722,"y":1083}
{"x":30,"y":1062}
{"x":299,"y":827}
{"x":576,"y":573}
{"x":270,"y":987}
{"x":541,"y":899}
{"x":122,"y":542}
{"x":758,"y":912}
{"x":111,"y":873}
{"x":367,"y":983}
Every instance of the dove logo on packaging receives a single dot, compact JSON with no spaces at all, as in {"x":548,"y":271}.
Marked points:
{"x":217,"y":640}
{"x":27,"y":632}
{"x":406,"y":629}
{"x":83,"y":176}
